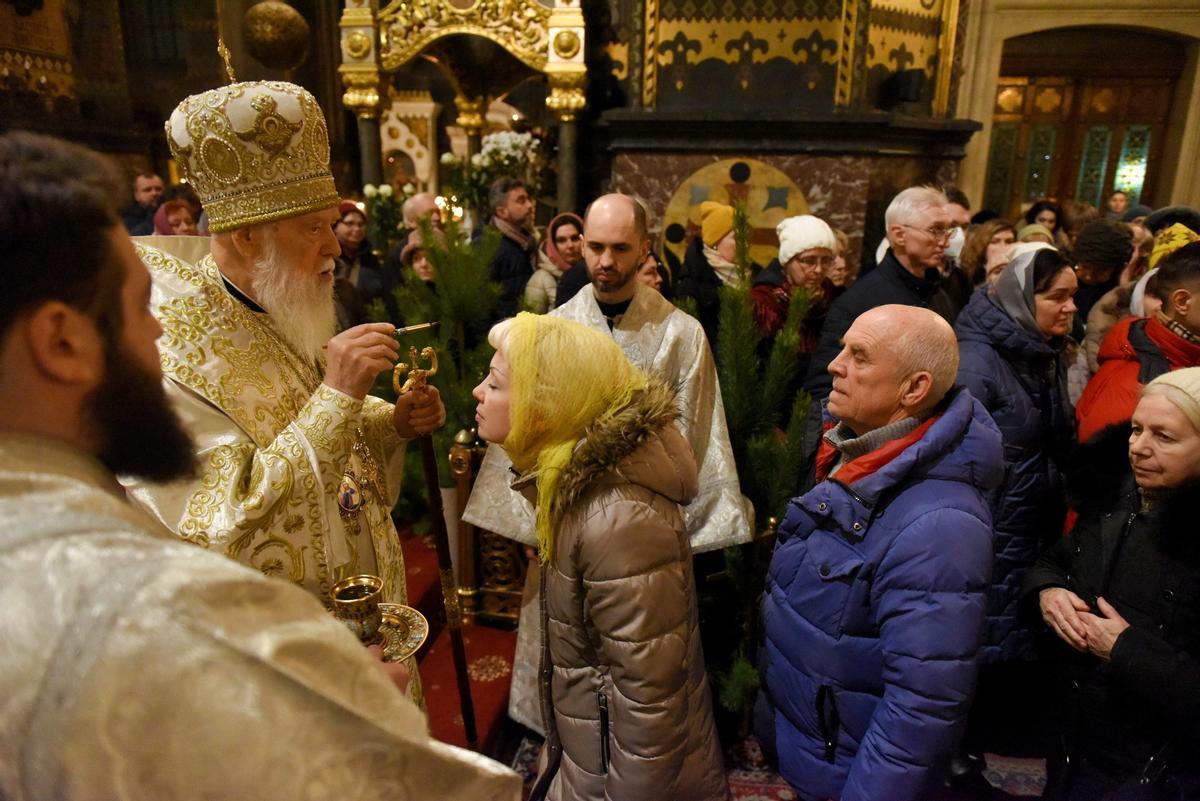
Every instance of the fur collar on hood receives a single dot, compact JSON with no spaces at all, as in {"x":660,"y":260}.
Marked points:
{"x":639,"y":445}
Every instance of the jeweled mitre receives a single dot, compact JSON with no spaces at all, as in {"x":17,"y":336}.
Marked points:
{"x":254,"y":152}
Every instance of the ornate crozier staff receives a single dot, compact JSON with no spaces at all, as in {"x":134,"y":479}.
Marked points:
{"x":417,"y":377}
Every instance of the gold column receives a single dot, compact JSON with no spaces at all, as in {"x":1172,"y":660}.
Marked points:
{"x":360,"y":75}
{"x":470,"y":119}
{"x":945,"y":69}
{"x":567,"y":74}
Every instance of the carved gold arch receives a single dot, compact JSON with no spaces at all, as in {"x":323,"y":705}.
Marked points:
{"x":546,"y":38}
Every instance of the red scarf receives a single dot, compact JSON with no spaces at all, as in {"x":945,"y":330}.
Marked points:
{"x":867,"y":464}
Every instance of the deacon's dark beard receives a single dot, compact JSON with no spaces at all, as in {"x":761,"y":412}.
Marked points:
{"x":141,"y":435}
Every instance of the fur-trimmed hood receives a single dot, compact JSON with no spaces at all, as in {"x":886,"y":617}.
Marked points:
{"x":638,"y":445}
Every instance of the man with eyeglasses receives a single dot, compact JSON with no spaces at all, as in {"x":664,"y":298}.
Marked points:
{"x":918,"y":230}
{"x":952,"y":296}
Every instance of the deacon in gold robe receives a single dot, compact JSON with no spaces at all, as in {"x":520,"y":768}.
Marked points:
{"x":299,"y":468}
{"x":134,"y":666}
{"x":662,"y":340}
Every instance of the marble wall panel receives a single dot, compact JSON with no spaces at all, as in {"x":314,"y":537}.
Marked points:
{"x":849,"y":192}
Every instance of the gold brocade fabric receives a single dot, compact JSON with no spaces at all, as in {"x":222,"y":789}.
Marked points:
{"x":136,"y":668}
{"x":254,"y":152}
{"x":273,"y":444}
{"x":659,"y":339}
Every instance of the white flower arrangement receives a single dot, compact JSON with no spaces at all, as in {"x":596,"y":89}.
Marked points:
{"x":385,"y":190}
{"x":370,"y":190}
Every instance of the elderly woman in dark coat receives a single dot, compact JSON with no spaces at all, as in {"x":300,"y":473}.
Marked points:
{"x":1121,"y":597}
{"x":1011,"y":338}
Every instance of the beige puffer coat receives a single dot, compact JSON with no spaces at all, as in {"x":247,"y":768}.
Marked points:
{"x":628,"y":708}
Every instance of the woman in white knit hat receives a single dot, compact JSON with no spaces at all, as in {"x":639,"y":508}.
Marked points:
{"x":1121,"y":594}
{"x":806,"y":252}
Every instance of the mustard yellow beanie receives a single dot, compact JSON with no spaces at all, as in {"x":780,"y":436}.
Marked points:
{"x":716,"y":220}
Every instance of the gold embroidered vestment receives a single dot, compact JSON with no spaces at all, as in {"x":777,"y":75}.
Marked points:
{"x":273,"y":443}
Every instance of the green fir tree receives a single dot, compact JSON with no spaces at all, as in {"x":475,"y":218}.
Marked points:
{"x":461,"y":301}
{"x":766,"y":431}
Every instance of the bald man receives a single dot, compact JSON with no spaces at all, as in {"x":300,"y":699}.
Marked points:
{"x":660,"y":339}
{"x":876,"y":590}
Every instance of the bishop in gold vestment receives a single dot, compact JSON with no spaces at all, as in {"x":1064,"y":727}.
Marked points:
{"x":274,"y":443}
{"x":298,"y":474}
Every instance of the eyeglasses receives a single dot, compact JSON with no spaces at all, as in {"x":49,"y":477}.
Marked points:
{"x":939,"y":234}
{"x":824,"y":262}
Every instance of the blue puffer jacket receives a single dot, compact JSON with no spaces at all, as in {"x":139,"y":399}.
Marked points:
{"x":873,"y":614}
{"x":1020,"y":379}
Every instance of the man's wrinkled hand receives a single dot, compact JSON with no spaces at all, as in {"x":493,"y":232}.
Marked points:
{"x":1062,"y":610}
{"x":396,"y":672}
{"x":419,"y":412}
{"x":357,"y":355}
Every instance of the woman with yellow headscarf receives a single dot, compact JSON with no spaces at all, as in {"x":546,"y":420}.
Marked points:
{"x":625,"y":699}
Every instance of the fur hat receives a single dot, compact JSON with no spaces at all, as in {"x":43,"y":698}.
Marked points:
{"x":1182,"y":387}
{"x":716,"y":220}
{"x":805,"y":232}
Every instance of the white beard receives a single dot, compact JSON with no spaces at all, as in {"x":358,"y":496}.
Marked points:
{"x":301,"y":306}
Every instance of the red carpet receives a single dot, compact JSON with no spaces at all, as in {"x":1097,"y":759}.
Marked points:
{"x":489,"y":664}
{"x":489,"y":655}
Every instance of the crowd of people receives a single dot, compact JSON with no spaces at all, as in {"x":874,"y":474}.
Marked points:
{"x":989,"y":545}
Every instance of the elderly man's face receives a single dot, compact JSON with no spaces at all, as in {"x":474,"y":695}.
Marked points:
{"x":420,"y":206}
{"x":307,"y":245}
{"x":922,"y":241}
{"x":866,"y":383}
{"x":1164,"y":448}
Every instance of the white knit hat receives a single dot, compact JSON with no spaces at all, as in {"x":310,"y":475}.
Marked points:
{"x":1183,"y":389}
{"x":798,"y":234}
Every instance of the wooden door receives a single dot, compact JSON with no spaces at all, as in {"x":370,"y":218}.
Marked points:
{"x":1067,"y":137}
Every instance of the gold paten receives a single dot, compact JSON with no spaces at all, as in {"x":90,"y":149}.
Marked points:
{"x":403,"y":632}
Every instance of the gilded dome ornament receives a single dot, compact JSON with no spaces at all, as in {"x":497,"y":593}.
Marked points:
{"x":276,"y":34}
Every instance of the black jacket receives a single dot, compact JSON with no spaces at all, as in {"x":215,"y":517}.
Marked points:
{"x":138,"y":220}
{"x":699,"y":281}
{"x":511,"y":268}
{"x":571,"y":282}
{"x":1147,"y":565}
{"x":887,"y":283}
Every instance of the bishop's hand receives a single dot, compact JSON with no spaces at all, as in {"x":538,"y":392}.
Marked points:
{"x":419,"y":412}
{"x":356,"y":356}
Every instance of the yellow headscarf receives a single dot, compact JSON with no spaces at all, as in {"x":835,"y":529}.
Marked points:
{"x":564,"y":376}
{"x":1169,"y":240}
